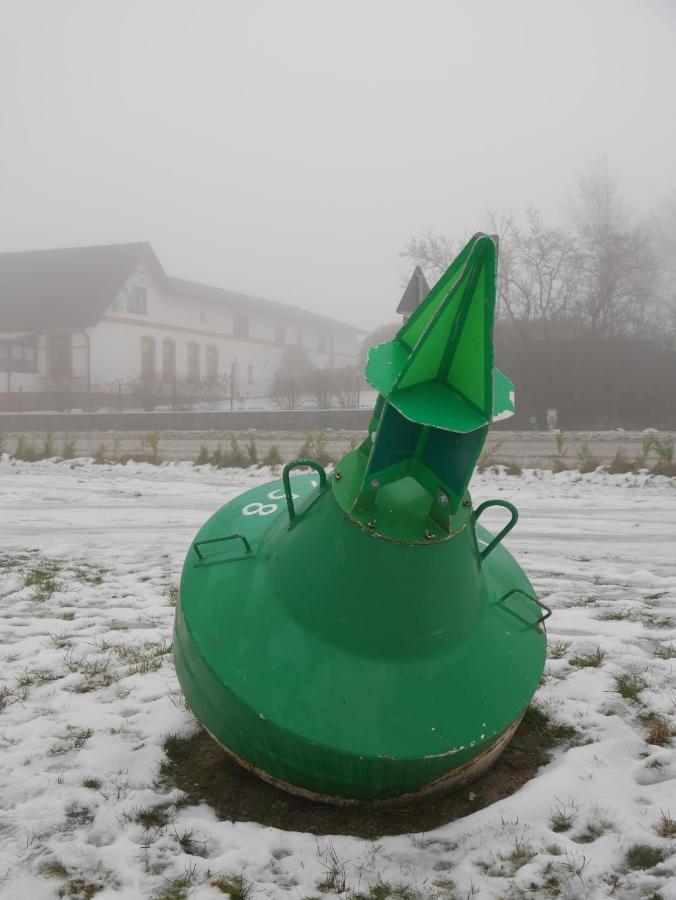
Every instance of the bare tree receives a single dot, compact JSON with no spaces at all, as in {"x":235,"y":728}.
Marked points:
{"x":537,"y":270}
{"x":432,"y":252}
{"x":618,"y":269}
{"x":541,"y":270}
{"x":663,"y":228}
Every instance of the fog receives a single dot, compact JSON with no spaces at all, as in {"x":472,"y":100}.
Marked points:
{"x":291,"y":150}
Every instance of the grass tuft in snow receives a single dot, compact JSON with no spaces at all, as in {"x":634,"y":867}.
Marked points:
{"x":93,"y":784}
{"x":630,"y":683}
{"x":558,"y":649}
{"x":155,"y":816}
{"x":597,"y":824}
{"x":74,"y":739}
{"x":335,"y":869}
{"x":178,"y":888}
{"x":666,"y":826}
{"x":237,"y":886}
{"x":589,"y":659}
{"x":659,"y":732}
{"x":42,"y":578}
{"x":562,"y":817}
{"x":644,"y":856}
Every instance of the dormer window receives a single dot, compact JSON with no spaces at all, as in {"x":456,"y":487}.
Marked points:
{"x":137,"y":300}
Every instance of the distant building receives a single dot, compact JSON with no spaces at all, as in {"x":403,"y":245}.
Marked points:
{"x":416,"y":291}
{"x":87,"y":318}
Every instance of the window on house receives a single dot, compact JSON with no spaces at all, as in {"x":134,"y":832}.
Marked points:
{"x":137,"y":300}
{"x":299,"y":336}
{"x":59,"y":362}
{"x":147,"y":358}
{"x":240,"y":325}
{"x":168,"y":359}
{"x":18,"y":357}
{"x":193,"y":362}
{"x":321,"y":342}
{"x":212,"y":363}
{"x":249,"y":374}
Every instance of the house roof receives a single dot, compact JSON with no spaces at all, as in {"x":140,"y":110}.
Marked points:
{"x":416,"y":291}
{"x":67,"y":288}
{"x":72,"y":288}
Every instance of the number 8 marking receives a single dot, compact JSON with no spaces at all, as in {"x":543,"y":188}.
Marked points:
{"x":259,"y":509}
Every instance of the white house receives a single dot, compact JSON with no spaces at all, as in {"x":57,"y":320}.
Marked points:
{"x":87,"y":319}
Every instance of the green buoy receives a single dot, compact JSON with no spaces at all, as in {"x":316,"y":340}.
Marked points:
{"x":360,"y":636}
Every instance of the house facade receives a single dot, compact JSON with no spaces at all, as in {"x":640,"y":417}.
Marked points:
{"x":90,"y":320}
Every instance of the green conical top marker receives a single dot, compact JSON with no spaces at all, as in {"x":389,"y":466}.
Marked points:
{"x":439,"y":392}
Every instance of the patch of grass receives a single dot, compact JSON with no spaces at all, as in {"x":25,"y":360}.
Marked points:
{"x":74,"y":739}
{"x":273,"y":457}
{"x":521,"y":854}
{"x":68,"y":449}
{"x":202,"y":457}
{"x":237,"y":886}
{"x":172,"y":594}
{"x":562,"y":817}
{"x":42,"y":578}
{"x":315,"y":448}
{"x":189,"y":843}
{"x":558,"y":464}
{"x":177,"y":888}
{"x":90,"y":574}
{"x":252,"y":451}
{"x":558,"y":649}
{"x":156,"y":816}
{"x":335,"y":877}
{"x":666,"y":826}
{"x":665,"y":651}
{"x":630,"y":683}
{"x":644,"y":856}
{"x":145,"y":657}
{"x":587,"y":461}
{"x":597,"y":824}
{"x":614,"y":615}
{"x":660,"y":733}
{"x":94,"y":784}
{"x":488,"y":457}
{"x":61,"y":639}
{"x":590,"y":659}
{"x":6,"y":696}
{"x":619,"y":464}
{"x":53,"y":869}
{"x":553,"y":732}
{"x":94,"y":669}
{"x":150,"y":445}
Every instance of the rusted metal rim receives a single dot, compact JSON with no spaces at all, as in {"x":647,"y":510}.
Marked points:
{"x":457,"y":777}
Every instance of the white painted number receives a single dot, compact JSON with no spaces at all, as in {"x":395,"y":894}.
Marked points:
{"x":280,"y":495}
{"x":259,"y":509}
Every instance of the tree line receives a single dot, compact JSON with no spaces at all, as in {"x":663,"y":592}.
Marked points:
{"x":586,"y":311}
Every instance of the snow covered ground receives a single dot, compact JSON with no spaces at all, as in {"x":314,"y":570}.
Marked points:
{"x":89,"y":560}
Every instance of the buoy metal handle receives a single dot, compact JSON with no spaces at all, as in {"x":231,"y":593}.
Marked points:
{"x":229,"y":537}
{"x":508,"y":527}
{"x":547,"y":609}
{"x":296,"y":464}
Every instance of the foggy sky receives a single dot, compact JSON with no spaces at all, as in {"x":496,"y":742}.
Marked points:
{"x":290,"y":148}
